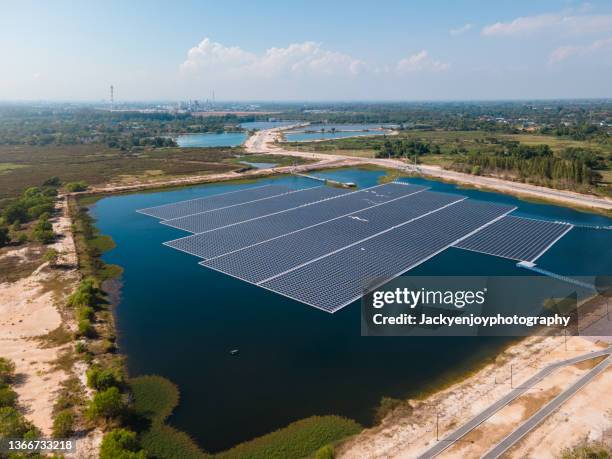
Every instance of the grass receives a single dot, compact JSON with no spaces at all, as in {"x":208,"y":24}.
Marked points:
{"x":154,"y":400}
{"x":97,"y":164}
{"x":298,"y":440}
{"x":7,"y":167}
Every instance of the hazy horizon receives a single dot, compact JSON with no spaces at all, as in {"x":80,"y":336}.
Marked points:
{"x":308,"y":52}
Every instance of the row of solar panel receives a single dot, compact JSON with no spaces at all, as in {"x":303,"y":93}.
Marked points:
{"x":218,"y":201}
{"x":222,"y":241}
{"x":219,"y":218}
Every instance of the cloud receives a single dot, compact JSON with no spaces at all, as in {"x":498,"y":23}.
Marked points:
{"x":421,"y":62}
{"x":565,"y":52}
{"x":566,"y":22}
{"x":298,"y":59}
{"x":460,"y":30}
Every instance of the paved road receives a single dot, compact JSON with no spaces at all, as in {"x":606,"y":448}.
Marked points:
{"x":450,"y":439}
{"x":544,"y":412}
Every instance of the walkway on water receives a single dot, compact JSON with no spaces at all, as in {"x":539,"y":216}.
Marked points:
{"x":327,"y":181}
{"x":532,"y":422}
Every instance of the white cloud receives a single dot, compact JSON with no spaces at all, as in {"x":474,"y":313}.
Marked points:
{"x":564,"y":52}
{"x":298,"y":59}
{"x":566,"y":22}
{"x":421,"y":62}
{"x":460,"y":30}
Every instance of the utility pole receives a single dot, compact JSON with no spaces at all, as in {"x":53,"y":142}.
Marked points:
{"x":565,"y":335}
{"x":437,"y":425}
{"x":112,"y":97}
{"x":511,"y":376}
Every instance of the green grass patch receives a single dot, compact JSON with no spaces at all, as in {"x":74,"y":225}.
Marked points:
{"x":298,"y":440}
{"x":154,"y":400}
{"x":102,"y":243}
{"x":7,"y":167}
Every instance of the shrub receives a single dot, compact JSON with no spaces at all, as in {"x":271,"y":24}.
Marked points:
{"x":100,"y":379}
{"x":8,"y":397}
{"x":7,"y":371}
{"x":51,"y":256}
{"x":75,"y":187}
{"x":106,"y":404}
{"x":4,"y":236}
{"x":121,"y":444}
{"x":327,"y":452}
{"x":13,"y":424}
{"x":85,"y":294}
{"x":63,"y":424}
{"x":86,"y":329}
{"x":387,"y":405}
{"x":85,"y":313}
{"x":52,"y":181}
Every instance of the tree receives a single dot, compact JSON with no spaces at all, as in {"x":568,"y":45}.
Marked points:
{"x":326,"y":452}
{"x":63,"y":424}
{"x":4,"y":236}
{"x":43,"y":231}
{"x":106,"y":404}
{"x":121,"y":444}
{"x":76,"y":187}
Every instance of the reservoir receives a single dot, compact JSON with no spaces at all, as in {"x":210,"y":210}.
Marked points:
{"x":180,"y":320}
{"x":335,"y":131}
{"x":212,"y":139}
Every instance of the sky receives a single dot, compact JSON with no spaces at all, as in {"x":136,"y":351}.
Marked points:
{"x":305,"y":50}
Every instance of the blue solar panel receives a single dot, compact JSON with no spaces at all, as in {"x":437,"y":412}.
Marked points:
{"x":217,"y":201}
{"x":262,"y":261}
{"x":516,"y":238}
{"x":219,"y":218}
{"x":337,"y":280}
{"x":222,"y":241}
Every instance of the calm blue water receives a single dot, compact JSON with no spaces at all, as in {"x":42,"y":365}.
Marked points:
{"x":266,"y":124}
{"x":342,"y":131}
{"x":211,"y":139}
{"x":180,"y":320}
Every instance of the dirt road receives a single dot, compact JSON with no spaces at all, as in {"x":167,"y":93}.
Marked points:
{"x":266,"y":141}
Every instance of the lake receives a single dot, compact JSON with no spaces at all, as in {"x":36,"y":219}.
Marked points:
{"x":341,"y":131}
{"x":212,"y":139}
{"x":266,"y":124}
{"x":180,"y":320}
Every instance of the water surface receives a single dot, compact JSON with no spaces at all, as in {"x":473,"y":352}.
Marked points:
{"x":180,"y":320}
{"x":212,"y":139}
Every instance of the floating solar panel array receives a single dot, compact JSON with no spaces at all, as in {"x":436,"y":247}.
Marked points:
{"x":516,"y":238}
{"x":222,"y":241}
{"x":327,"y":247}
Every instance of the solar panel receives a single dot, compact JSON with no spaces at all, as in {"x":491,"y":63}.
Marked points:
{"x":217,"y":201}
{"x":336,"y":280}
{"x":262,"y":261}
{"x":516,"y":238}
{"x":222,"y":241}
{"x":219,"y":218}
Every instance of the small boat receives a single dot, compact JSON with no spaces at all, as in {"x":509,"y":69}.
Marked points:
{"x":234,"y":352}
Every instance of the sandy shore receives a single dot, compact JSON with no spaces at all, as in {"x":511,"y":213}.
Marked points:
{"x":266,"y":141}
{"x":30,"y":308}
